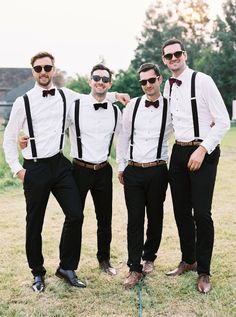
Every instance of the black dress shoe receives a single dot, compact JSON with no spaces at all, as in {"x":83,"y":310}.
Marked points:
{"x":70,"y":277}
{"x":38,"y":285}
{"x":107,"y":268}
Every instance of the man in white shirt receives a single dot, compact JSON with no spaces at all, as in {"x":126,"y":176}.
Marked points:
{"x":200,"y":120}
{"x":142,"y":154}
{"x":95,"y":120}
{"x":42,"y":114}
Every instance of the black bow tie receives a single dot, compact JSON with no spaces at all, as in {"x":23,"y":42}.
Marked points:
{"x":174,"y":80}
{"x":149,"y":103}
{"x":100,"y":105}
{"x":49,"y":92}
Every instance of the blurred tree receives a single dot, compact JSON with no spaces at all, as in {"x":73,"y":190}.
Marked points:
{"x":60,"y":78}
{"x":220,"y":60}
{"x":79,"y":84}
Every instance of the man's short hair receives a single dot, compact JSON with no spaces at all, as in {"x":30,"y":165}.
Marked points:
{"x":101,"y":67}
{"x":148,"y":66}
{"x":171,"y":42}
{"x":42,"y":55}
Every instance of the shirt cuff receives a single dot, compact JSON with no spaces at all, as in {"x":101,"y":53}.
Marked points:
{"x":16,"y":168}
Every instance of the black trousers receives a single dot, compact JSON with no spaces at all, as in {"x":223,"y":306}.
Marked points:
{"x":145,"y":188}
{"x":192,"y":194}
{"x":99,"y":183}
{"x":43,"y":177}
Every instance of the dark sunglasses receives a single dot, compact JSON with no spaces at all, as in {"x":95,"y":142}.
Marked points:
{"x":104,"y":79}
{"x":152,"y":80}
{"x":176,"y":54}
{"x":47,"y":68}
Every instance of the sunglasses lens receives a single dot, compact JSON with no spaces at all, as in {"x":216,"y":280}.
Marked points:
{"x":168,"y":56}
{"x":37,"y":69}
{"x":178,"y":54}
{"x":152,"y":80}
{"x":96,"y":78}
{"x":48,"y":68}
{"x":143,"y":82}
{"x":105,"y":79}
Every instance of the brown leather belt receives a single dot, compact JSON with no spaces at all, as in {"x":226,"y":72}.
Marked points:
{"x":145,"y":165}
{"x":190,"y":143}
{"x":94,"y":167}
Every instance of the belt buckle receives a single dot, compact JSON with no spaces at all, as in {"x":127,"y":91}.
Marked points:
{"x":95,"y":167}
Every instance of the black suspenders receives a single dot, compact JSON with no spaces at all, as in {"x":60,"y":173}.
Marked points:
{"x":77,"y":128}
{"x":30,"y":125}
{"x":64,"y":118}
{"x":132,"y":127}
{"x":162,"y":130}
{"x":194,"y":107}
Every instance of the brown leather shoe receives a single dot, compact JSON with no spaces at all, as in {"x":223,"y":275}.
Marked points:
{"x":132,"y":279}
{"x":107,"y":267}
{"x":148,"y":267}
{"x":203,"y":283}
{"x":182,"y":268}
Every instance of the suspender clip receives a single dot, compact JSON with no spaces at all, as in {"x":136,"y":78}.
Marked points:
{"x":193,"y":98}
{"x":35,"y":159}
{"x":31,"y":138}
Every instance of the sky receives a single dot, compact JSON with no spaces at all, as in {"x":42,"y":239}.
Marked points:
{"x":77,"y":32}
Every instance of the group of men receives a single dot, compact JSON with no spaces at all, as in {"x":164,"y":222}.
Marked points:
{"x":191,"y":106}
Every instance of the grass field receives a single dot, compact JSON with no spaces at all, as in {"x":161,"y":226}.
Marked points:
{"x":104,"y":295}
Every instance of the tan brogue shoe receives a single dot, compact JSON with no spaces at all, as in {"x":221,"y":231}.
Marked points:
{"x":132,"y":279}
{"x":107,"y":267}
{"x":182,"y":268}
{"x":203,"y":283}
{"x":148,"y":267}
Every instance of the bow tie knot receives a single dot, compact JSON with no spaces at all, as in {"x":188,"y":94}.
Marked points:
{"x":100,"y":105}
{"x":149,"y":103}
{"x":174,"y":80}
{"x":49,"y":92}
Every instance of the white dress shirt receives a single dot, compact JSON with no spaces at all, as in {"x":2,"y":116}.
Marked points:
{"x":47,"y":115}
{"x":147,"y":128}
{"x":210,"y":106}
{"x":96,"y":128}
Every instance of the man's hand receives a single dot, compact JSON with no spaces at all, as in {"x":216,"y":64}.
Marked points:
{"x":196,"y":159}
{"x":21,"y":174}
{"x":120,"y":177}
{"x":23,"y":141}
{"x":123,"y":98}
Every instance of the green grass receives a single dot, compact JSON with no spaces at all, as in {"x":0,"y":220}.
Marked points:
{"x":104,"y":295}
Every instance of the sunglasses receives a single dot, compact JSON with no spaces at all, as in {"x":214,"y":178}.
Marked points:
{"x":104,"y":79}
{"x":152,"y":80}
{"x":47,"y":68}
{"x":176,"y":54}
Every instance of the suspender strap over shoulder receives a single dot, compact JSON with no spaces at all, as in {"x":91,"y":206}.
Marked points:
{"x":64,"y":117}
{"x":163,"y":126}
{"x":132,"y":127}
{"x":194,"y":106}
{"x":77,"y":128}
{"x":30,"y":127}
{"x":116,"y":116}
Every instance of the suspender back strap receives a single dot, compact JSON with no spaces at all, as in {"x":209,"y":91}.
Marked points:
{"x":77,"y":129}
{"x":30,"y":127}
{"x":116,"y":116}
{"x":194,"y":107}
{"x":64,"y":118}
{"x":132,"y":127}
{"x":163,"y":126}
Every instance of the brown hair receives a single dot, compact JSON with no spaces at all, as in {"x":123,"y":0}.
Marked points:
{"x":171,"y":42}
{"x":41,"y":55}
{"x":147,"y":66}
{"x":101,"y":67}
